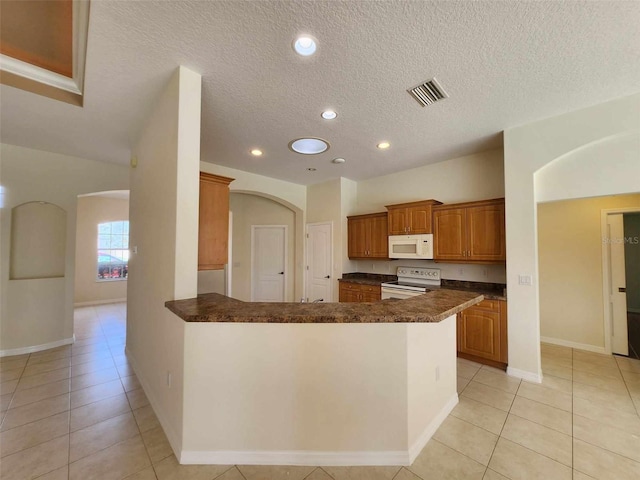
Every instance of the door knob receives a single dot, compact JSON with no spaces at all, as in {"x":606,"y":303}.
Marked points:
{"x":328,"y":276}
{"x":281,"y":273}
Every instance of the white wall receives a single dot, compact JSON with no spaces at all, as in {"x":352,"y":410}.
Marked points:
{"x":570,"y":265}
{"x":93,"y":210}
{"x":527,"y":149}
{"x":164,"y":229}
{"x":249,"y":210}
{"x":34,"y":175}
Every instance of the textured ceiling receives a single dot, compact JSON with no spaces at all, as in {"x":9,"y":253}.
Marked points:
{"x":502,"y":63}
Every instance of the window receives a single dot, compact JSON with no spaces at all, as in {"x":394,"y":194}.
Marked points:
{"x":113,"y":250}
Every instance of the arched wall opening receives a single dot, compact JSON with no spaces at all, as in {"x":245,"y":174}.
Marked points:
{"x":573,"y":137}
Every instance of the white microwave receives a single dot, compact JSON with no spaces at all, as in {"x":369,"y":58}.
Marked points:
{"x":411,"y":246}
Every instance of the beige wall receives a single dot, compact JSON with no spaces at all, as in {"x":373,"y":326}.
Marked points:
{"x":33,"y":175}
{"x":570,"y":268}
{"x":164,"y":229}
{"x":92,"y":210}
{"x":251,"y":210}
{"x":632,"y":261}
{"x":473,"y":177}
{"x":290,"y":195}
{"x":527,"y":149}
{"x":319,"y":394}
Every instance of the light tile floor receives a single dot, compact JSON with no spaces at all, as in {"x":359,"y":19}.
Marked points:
{"x":78,"y":412}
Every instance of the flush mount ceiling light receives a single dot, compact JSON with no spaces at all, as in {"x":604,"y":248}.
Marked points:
{"x":383,"y":145}
{"x":256,"y":152}
{"x":329,"y":114}
{"x":305,"y":45}
{"x":309,"y":146}
{"x":338,"y":160}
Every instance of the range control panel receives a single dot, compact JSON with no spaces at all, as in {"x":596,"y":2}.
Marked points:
{"x":419,"y":273}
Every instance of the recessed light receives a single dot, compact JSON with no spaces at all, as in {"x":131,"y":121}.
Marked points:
{"x":256,"y":152}
{"x":311,"y":169}
{"x":329,"y":114}
{"x":383,"y":145}
{"x":305,"y":45}
{"x":309,"y":146}
{"x":338,"y":160}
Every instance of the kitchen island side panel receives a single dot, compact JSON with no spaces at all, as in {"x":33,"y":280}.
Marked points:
{"x":295,"y":388}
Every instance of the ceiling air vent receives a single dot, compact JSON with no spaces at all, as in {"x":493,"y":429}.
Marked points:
{"x":428,"y":92}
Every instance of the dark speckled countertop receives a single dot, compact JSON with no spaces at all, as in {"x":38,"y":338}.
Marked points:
{"x":433,"y":306}
{"x":491,"y":291}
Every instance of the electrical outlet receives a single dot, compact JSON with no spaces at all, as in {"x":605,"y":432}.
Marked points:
{"x":485,"y":272}
{"x":373,"y":267}
{"x":437,"y":373}
{"x":169,"y":379}
{"x":461,"y":272}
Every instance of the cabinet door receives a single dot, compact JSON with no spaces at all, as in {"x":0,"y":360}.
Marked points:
{"x":349,"y":292}
{"x":485,"y":233}
{"x":479,"y":333}
{"x":449,"y":241}
{"x":378,"y":245}
{"x":398,"y":221}
{"x":419,"y":218}
{"x":357,"y":237}
{"x":370,"y":293}
{"x":213,"y":225}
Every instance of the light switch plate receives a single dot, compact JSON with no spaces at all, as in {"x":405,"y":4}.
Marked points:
{"x":525,"y":280}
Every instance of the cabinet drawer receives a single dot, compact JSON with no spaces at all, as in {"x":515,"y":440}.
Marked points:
{"x":349,"y":286}
{"x":493,"y":305}
{"x":370,"y":288}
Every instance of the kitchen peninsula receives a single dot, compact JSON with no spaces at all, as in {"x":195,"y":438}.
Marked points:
{"x":317,"y":384}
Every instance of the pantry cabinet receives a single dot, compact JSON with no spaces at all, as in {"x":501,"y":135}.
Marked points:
{"x":470,"y":232}
{"x":213,"y":224}
{"x":357,"y":292}
{"x":482,"y":333}
{"x":367,"y":236}
{"x":412,"y":218}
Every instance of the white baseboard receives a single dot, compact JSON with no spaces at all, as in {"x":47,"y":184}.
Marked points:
{"x":315,"y":458}
{"x":297,"y":457}
{"x":99,"y":302}
{"x":174,"y":439}
{"x":433,"y":426}
{"x":37,"y":348}
{"x":578,"y":346}
{"x":524,"y":375}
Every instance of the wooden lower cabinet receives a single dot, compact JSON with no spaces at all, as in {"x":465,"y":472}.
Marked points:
{"x":357,"y":292}
{"x":482,"y":333}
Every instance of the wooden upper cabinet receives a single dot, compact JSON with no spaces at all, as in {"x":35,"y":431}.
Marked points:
{"x":367,"y":236}
{"x":412,"y":218}
{"x":213,"y":224}
{"x":470,"y":232}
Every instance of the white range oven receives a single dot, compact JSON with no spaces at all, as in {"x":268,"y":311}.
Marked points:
{"x":412,"y":281}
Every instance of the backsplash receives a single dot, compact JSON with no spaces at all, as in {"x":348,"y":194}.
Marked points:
{"x":450,"y":271}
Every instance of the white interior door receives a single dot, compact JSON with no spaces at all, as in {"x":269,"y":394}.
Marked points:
{"x":268,"y":263}
{"x":617,"y":285}
{"x":319,"y":260}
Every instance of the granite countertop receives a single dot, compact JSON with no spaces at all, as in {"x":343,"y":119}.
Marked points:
{"x":367,"y":278}
{"x":491,"y":291}
{"x":433,"y":306}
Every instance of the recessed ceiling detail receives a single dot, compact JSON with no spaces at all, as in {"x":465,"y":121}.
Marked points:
{"x":309,"y":146}
{"x":428,"y":93}
{"x":48,"y":57}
